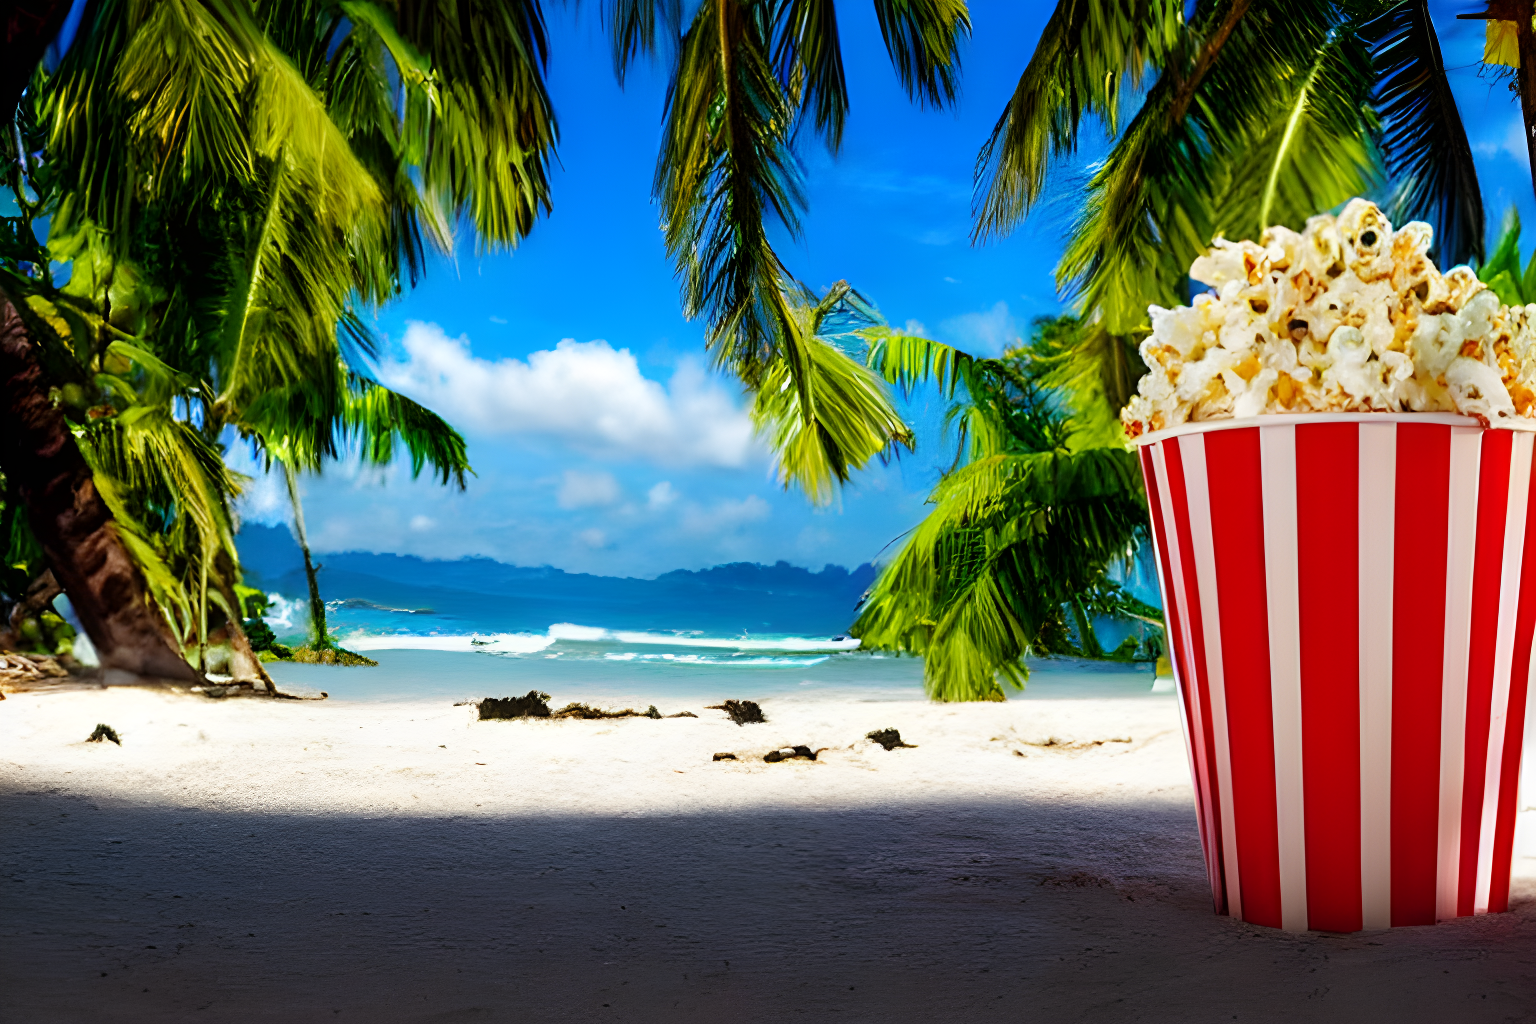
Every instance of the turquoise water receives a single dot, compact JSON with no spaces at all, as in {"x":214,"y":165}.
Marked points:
{"x":572,"y":670}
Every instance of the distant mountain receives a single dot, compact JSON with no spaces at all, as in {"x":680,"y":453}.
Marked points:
{"x":480,"y":594}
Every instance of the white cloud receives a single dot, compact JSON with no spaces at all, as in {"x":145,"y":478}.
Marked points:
{"x":726,"y":515}
{"x":584,"y":490}
{"x":593,"y":538}
{"x":916,"y":327}
{"x":983,"y":333}
{"x":585,"y":393}
{"x":662,"y":495}
{"x":423,"y":524}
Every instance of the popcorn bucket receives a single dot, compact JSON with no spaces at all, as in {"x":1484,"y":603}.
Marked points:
{"x":1350,"y":602}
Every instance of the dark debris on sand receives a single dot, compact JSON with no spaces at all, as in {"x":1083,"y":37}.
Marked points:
{"x":534,"y":705}
{"x":742,"y":712}
{"x":791,"y":753}
{"x":890,"y":739}
{"x":104,"y":732}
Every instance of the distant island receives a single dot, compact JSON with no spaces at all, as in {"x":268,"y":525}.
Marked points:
{"x":483,"y":594}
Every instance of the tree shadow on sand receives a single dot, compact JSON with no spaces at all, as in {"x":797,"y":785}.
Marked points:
{"x":982,"y":911}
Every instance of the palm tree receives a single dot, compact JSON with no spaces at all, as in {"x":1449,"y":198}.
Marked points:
{"x":299,"y":434}
{"x":231,"y":178}
{"x":1023,"y":527}
{"x":746,"y":77}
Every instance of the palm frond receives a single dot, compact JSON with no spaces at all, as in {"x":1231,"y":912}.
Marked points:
{"x":1088,"y":54}
{"x":808,"y":59}
{"x":823,"y":412}
{"x":381,"y":421}
{"x":1011,"y":539}
{"x":485,"y":134}
{"x":725,"y":168}
{"x":1313,"y":150}
{"x":635,"y":27}
{"x":1094,"y":370}
{"x":1424,"y":140}
{"x":923,"y":39}
{"x":186,"y":71}
{"x":905,"y":361}
{"x":1149,"y":210}
{"x":1501,"y":272}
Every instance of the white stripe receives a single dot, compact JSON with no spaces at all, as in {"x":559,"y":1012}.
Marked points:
{"x":1189,"y":689}
{"x":1277,"y":461}
{"x":1198,"y":497}
{"x":1378,"y":523}
{"x":1461,"y":548}
{"x":1503,"y":658}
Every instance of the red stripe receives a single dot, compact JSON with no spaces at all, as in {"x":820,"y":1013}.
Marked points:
{"x":1198,"y":680}
{"x":1328,"y":566}
{"x":1418,"y":656}
{"x":1488,"y":565}
{"x":1514,"y":722}
{"x":1237,"y":528}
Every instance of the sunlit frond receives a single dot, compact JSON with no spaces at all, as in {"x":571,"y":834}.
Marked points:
{"x":485,"y":133}
{"x":1312,"y":149}
{"x":1088,"y":54}
{"x":823,"y":413}
{"x":1011,"y":539}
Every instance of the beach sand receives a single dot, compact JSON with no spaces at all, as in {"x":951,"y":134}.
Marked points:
{"x":246,"y":860}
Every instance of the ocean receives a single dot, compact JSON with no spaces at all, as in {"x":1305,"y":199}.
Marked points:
{"x":473,"y":628}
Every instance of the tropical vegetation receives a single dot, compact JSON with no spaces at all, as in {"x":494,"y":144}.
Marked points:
{"x":232,"y":186}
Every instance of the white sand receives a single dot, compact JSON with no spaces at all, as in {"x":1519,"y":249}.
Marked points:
{"x":281,"y":861}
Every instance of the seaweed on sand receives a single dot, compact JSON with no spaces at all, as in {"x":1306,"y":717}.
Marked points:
{"x":104,"y":732}
{"x":534,"y":705}
{"x":890,"y":739}
{"x":742,"y":712}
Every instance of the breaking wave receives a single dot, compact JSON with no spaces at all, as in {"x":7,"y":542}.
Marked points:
{"x":574,"y":637}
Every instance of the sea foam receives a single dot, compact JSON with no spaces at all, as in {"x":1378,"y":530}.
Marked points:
{"x":571,"y":633}
{"x":495,"y":643}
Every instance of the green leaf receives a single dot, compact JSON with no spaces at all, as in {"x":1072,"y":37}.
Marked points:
{"x":1089,"y":52}
{"x":1424,"y":139}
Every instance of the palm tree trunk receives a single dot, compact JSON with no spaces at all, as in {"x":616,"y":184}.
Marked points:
{"x":1520,"y":13}
{"x":1527,"y":78}
{"x":39,"y":458}
{"x":316,"y":606}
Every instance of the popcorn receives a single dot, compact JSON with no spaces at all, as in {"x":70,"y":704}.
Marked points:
{"x":1347,"y":316}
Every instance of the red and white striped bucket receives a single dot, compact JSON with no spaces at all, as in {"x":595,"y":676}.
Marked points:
{"x":1350,"y":601}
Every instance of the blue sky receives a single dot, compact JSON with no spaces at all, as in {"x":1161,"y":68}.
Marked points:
{"x":602,"y":441}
